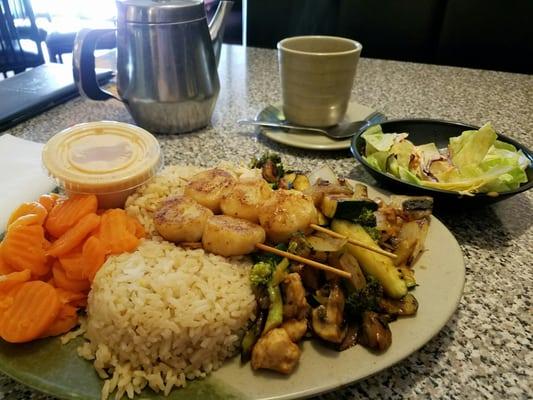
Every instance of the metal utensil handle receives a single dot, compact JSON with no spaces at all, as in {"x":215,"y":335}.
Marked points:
{"x":83,"y":64}
{"x":375,"y":117}
{"x":274,"y":125}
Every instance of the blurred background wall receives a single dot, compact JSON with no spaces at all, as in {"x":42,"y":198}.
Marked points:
{"x":486,"y":34}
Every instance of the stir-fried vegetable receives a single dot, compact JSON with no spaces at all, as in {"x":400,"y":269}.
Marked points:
{"x":328,"y":318}
{"x":271,"y":167}
{"x":296,"y":300}
{"x":251,"y":335}
{"x":267,"y":273}
{"x":375,"y":332}
{"x":407,"y":305}
{"x":380,"y":267}
{"x":365,"y":299}
{"x":261,"y":273}
{"x":275,"y":310}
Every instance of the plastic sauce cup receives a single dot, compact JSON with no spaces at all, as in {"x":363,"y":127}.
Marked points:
{"x":109,"y":159}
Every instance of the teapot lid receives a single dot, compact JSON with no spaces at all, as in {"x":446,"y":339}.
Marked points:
{"x":160,"y":11}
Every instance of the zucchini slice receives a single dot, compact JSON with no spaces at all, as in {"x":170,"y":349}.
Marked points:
{"x":379,"y":266}
{"x":341,"y":207}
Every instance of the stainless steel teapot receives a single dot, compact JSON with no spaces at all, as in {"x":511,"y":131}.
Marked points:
{"x":167,"y":57}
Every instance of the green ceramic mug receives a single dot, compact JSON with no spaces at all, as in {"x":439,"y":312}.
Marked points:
{"x":317,"y":75}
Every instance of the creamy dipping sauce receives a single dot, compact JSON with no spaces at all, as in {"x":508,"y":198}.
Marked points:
{"x":109,"y":159}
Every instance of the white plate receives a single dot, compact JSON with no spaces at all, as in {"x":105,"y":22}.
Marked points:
{"x":55,"y":369}
{"x":315,"y":141}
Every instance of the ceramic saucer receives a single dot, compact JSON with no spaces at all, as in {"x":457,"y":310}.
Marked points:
{"x":308,"y":140}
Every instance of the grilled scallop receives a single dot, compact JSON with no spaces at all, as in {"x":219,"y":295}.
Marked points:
{"x":287,"y":212}
{"x":229,"y":236}
{"x":181,"y":219}
{"x":245,"y":198}
{"x":207,"y":187}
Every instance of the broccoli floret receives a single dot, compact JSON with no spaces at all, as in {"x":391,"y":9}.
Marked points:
{"x":271,"y":166}
{"x":366,"y":218}
{"x":258,"y":163}
{"x":261,"y":273}
{"x":269,"y":257}
{"x":364,"y":299}
{"x":373,"y":232}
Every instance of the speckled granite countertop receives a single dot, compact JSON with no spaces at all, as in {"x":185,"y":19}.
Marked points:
{"x":485,"y":350}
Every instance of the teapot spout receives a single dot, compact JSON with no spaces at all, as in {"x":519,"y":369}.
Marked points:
{"x":217,"y":25}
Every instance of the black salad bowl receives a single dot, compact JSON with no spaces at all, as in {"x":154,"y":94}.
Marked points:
{"x":423,"y":131}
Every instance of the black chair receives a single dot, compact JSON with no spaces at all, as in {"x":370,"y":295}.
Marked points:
{"x":15,"y":35}
{"x":62,"y":33}
{"x":26,"y":21}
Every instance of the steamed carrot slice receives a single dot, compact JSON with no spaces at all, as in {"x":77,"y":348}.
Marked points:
{"x":70,"y":297}
{"x":10,"y":280}
{"x":7,"y":297}
{"x":135,"y":227}
{"x":114,"y":232}
{"x":34,"y":308}
{"x":48,"y":201}
{"x":46,"y":244}
{"x":34,"y":208}
{"x":74,"y":236}
{"x":4,"y":266}
{"x":94,"y":253}
{"x":65,"y":214}
{"x":79,"y":303}
{"x":28,"y":219}
{"x":23,"y":248}
{"x":65,"y":321}
{"x":62,"y":281}
{"x":73,"y":264}
{"x":49,"y":275}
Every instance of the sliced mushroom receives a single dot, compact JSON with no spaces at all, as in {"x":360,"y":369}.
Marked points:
{"x":349,"y":263}
{"x":270,"y":171}
{"x":375,"y":332}
{"x":327,"y":319}
{"x":310,"y":277}
{"x":351,"y":337}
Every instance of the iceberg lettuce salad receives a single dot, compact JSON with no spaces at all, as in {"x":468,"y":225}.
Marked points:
{"x":474,"y":162}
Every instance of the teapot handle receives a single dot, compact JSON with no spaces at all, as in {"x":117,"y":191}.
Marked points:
{"x":83,"y":64}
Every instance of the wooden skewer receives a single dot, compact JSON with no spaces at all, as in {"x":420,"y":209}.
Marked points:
{"x":303,"y":260}
{"x":352,"y":241}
